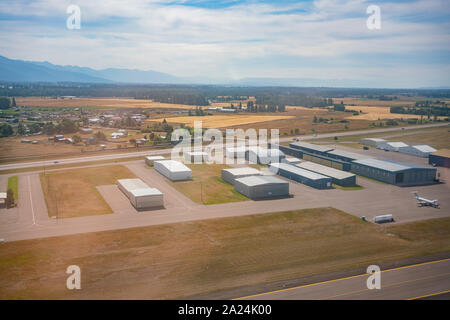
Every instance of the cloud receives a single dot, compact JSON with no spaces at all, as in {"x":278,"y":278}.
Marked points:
{"x":216,"y":39}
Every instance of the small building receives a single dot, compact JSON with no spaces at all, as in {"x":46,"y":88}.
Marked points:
{"x":151,"y":159}
{"x":173,"y":170}
{"x":393,"y":172}
{"x":339,"y":177}
{"x":236,"y":152}
{"x":306,"y":177}
{"x":373,"y":142}
{"x":392,"y":146}
{"x":291,"y":160}
{"x":345,"y":155}
{"x":262,"y":187}
{"x":422,"y":151}
{"x":310,"y":147}
{"x":230,"y":175}
{"x":140,"y":194}
{"x":440,"y":158}
{"x":264,"y":156}
{"x":86,"y":130}
{"x":117,"y":135}
{"x":196,"y":157}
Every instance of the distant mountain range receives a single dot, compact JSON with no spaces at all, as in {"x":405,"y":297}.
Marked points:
{"x":30,"y":71}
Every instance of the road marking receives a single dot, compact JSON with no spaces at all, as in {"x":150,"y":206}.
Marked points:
{"x":385,"y":286}
{"x":335,"y":280}
{"x":429,"y":295}
{"x":31,"y":201}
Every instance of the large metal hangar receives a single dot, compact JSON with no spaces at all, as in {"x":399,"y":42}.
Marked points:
{"x":230,"y":175}
{"x":345,"y":155}
{"x":397,"y":173}
{"x":422,"y":151}
{"x":260,"y":187}
{"x":196,"y":157}
{"x":140,"y":194}
{"x":173,"y":170}
{"x":373,"y":142}
{"x":264,"y":156}
{"x":310,"y":147}
{"x":306,"y":177}
{"x":151,"y":159}
{"x":392,"y":146}
{"x":440,"y":158}
{"x":339,"y":177}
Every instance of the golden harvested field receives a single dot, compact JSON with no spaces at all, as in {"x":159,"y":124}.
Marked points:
{"x":73,"y":193}
{"x":221,"y":121}
{"x":373,"y":102}
{"x":377,"y":113}
{"x":185,"y":259}
{"x":97,"y":102}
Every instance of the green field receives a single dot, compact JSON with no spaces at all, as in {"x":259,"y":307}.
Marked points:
{"x":207,"y":186}
{"x":13,"y":184}
{"x":185,"y":259}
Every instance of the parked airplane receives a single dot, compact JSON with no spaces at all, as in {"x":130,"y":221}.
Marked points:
{"x":422,"y":202}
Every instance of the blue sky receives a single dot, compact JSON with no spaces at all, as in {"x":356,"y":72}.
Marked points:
{"x":230,"y":39}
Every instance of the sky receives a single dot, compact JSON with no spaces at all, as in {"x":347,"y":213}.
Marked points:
{"x":235,"y":39}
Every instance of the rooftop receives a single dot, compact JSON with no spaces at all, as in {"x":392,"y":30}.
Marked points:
{"x":310,"y":146}
{"x":173,"y":165}
{"x":351,"y":155}
{"x":242,"y":171}
{"x":145,"y":192}
{"x":397,"y":144}
{"x":297,"y":170}
{"x":260,"y":180}
{"x":327,"y":171}
{"x":424,"y":148}
{"x":388,"y":165}
{"x":133,"y":184}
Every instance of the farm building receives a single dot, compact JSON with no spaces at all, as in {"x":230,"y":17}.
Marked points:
{"x":310,"y":147}
{"x":440,"y":158}
{"x":140,"y":194}
{"x":151,"y":159}
{"x":373,"y":142}
{"x":422,"y":151}
{"x":230,"y":175}
{"x":264,"y":156}
{"x":173,"y":170}
{"x":236,"y":152}
{"x":260,"y":187}
{"x":392,"y":146}
{"x":397,"y":173}
{"x":345,"y":155}
{"x":291,"y":160}
{"x":306,"y":177}
{"x":195,"y":157}
{"x":339,"y":177}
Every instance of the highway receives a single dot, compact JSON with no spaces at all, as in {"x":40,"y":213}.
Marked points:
{"x":79,"y":160}
{"x":405,"y":283}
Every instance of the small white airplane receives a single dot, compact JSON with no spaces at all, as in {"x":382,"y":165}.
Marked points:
{"x":422,"y":202}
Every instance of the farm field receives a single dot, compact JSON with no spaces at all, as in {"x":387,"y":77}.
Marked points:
{"x":207,"y":186}
{"x":185,"y":259}
{"x":221,"y":121}
{"x":97,"y":102}
{"x":379,"y":113}
{"x":375,"y":102}
{"x":73,"y":193}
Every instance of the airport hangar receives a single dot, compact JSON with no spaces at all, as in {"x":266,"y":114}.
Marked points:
{"x":261,"y":187}
{"x":422,"y":151}
{"x":140,"y":194}
{"x":230,"y":175}
{"x":306,"y":177}
{"x":339,"y":177}
{"x":173,"y":170}
{"x":440,"y":158}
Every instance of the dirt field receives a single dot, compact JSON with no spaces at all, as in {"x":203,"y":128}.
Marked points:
{"x":97,"y":102}
{"x":185,"y":259}
{"x":73,"y":193}
{"x":207,"y":187}
{"x":222,"y":121}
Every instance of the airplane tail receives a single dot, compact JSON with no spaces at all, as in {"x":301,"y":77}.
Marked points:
{"x":415,"y":194}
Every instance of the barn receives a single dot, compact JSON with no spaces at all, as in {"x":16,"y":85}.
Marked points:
{"x":231,"y":174}
{"x":173,"y":170}
{"x":393,"y":172}
{"x":140,"y":194}
{"x":339,"y":177}
{"x":260,"y":187}
{"x":422,"y":151}
{"x":440,"y":158}
{"x":306,"y":177}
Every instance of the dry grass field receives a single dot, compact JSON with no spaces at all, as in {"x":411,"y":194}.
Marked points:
{"x":97,"y":102}
{"x":222,"y":121}
{"x":207,"y":186}
{"x":374,"y":102}
{"x":378,"y":113}
{"x":186,"y":259}
{"x":73,"y":193}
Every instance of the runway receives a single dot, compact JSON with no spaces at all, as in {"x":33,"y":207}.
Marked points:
{"x":418,"y":281}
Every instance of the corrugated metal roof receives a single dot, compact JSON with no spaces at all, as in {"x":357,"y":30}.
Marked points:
{"x":442,"y":153}
{"x":263,"y":152}
{"x":173,"y":165}
{"x":311,"y":146}
{"x":294,"y":169}
{"x":351,"y":155}
{"x":260,"y":180}
{"x":145,"y":192}
{"x":196,"y":153}
{"x":389,"y":165}
{"x":242,"y":171}
{"x":327,"y":171}
{"x":397,"y":144}
{"x":424,"y":148}
{"x":155,"y":158}
{"x":133,"y":184}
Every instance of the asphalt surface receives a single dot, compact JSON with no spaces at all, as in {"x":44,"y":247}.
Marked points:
{"x":418,"y":281}
{"x":80,"y":160}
